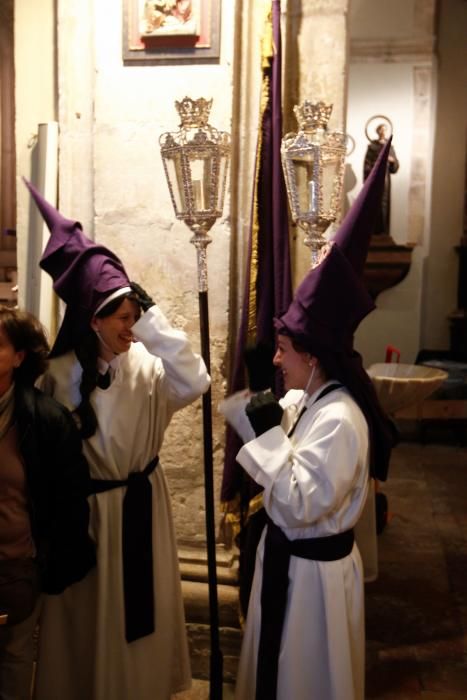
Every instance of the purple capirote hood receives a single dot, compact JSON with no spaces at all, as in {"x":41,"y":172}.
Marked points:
{"x":84,"y":273}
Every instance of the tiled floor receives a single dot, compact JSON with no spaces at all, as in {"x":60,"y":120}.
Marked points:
{"x":416,"y":611}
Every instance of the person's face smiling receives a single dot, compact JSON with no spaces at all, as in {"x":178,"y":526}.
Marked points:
{"x":114,"y":331}
{"x":295,"y":366}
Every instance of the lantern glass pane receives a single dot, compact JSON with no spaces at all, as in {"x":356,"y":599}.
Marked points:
{"x":200,"y":168}
{"x":223,"y":167}
{"x":329,"y":173}
{"x":307,"y":188}
{"x":174,"y":170}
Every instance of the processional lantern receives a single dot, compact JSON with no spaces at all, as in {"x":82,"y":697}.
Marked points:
{"x":196,"y":162}
{"x":313,"y":164}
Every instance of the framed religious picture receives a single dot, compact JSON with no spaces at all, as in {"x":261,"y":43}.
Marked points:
{"x":170,"y":32}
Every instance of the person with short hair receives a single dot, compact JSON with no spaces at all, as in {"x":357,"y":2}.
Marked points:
{"x":44,"y":513}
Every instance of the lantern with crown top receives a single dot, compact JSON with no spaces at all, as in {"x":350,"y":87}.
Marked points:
{"x":196,"y":161}
{"x":313,"y":164}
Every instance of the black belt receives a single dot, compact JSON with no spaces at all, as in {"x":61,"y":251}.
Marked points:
{"x":277,"y":552}
{"x":138,"y":577}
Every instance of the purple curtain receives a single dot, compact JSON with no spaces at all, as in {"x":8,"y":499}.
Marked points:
{"x":268,"y":288}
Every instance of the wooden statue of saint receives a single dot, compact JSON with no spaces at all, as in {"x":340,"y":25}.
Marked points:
{"x":382,"y":226}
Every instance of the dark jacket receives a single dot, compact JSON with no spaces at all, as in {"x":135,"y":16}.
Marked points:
{"x":57,"y":478}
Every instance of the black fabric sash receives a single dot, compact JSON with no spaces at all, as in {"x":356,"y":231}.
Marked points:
{"x":138,"y":579}
{"x":277,"y":552}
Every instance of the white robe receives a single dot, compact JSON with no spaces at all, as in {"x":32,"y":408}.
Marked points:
{"x":83,"y":654}
{"x":315,"y":484}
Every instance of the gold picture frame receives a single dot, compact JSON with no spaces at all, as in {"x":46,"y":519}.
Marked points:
{"x":167,"y":33}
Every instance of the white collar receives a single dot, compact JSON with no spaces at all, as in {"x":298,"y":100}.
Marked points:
{"x":113,"y":365}
{"x":315,"y":395}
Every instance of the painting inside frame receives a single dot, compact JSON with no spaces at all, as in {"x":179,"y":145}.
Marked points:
{"x":177,"y":31}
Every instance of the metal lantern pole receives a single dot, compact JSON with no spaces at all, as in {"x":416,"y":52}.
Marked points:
{"x":195,"y":162}
{"x":216,"y":659}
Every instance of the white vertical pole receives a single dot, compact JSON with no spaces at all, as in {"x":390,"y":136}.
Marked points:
{"x":40,"y":296}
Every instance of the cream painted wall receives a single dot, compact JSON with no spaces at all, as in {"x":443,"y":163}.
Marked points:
{"x":413,"y":315}
{"x":383,"y":89}
{"x":35,"y":102}
{"x":448,"y":191}
{"x":387,"y":89}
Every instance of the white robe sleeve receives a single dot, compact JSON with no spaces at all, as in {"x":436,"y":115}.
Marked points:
{"x":185,"y":373}
{"x":233,"y":410}
{"x":304,"y":483}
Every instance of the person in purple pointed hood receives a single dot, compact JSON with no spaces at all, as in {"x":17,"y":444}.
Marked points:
{"x":313,"y":452}
{"x":123,"y":371}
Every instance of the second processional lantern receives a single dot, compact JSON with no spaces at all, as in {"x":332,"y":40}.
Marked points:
{"x":313,"y":163}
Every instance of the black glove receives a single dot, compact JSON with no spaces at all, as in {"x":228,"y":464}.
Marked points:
{"x":264,"y":412}
{"x":142,"y":297}
{"x":258,"y":361}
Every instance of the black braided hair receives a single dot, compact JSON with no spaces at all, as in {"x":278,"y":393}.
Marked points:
{"x":87,"y":352}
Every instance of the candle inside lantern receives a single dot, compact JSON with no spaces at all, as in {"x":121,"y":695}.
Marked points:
{"x":313,"y":196}
{"x":198,"y":195}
